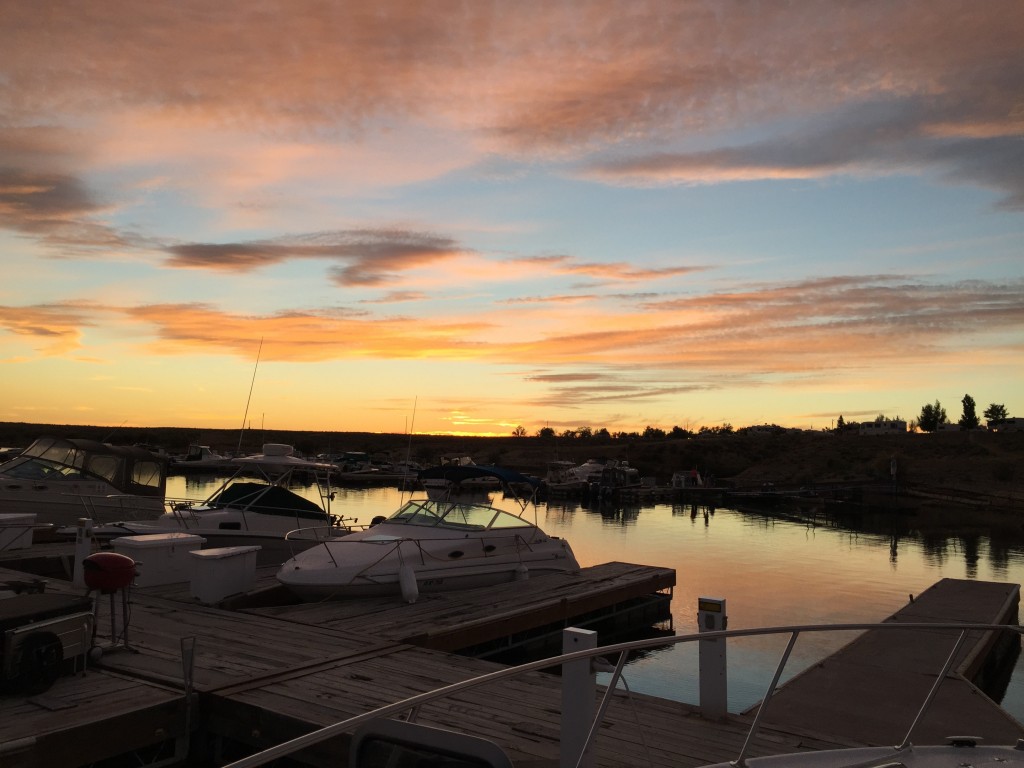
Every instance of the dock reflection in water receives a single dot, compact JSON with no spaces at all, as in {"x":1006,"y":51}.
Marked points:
{"x":774,"y":568}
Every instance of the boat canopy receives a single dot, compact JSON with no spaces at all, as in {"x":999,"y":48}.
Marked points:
{"x":129,"y":469}
{"x":266,"y":499}
{"x":457,"y":474}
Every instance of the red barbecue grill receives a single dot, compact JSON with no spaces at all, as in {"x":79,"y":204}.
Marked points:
{"x":109,"y":573}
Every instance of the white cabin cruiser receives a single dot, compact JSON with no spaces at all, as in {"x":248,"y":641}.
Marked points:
{"x":254,"y":506}
{"x":61,"y":480}
{"x":430,"y":545}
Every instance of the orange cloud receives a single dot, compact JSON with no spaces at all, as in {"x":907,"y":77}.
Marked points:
{"x":53,"y":329}
{"x":612,"y":271}
{"x":816,"y":327}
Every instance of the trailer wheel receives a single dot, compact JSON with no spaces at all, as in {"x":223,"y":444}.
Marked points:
{"x":37,"y":663}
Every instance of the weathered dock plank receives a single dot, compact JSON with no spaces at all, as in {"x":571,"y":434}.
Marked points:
{"x":456,"y":620}
{"x":80,"y":718}
{"x":871,"y":689}
{"x":521,"y":714}
{"x":228,"y":646}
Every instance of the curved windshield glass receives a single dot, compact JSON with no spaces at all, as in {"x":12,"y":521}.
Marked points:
{"x":476,"y":517}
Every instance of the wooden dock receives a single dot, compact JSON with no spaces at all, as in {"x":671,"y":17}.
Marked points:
{"x":265,"y":672}
{"x":869,"y":690}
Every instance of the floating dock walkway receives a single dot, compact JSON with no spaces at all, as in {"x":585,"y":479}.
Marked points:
{"x":213,"y":684}
{"x":865,"y":690}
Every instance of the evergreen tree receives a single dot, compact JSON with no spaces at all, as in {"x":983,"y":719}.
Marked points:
{"x":969,"y":419}
{"x":932,"y":417}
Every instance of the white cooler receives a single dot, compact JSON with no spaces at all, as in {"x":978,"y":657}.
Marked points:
{"x":222,"y":571}
{"x":161,"y":558}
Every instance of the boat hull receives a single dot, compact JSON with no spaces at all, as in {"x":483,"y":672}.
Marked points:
{"x":64,"y":503}
{"x":470,"y":576}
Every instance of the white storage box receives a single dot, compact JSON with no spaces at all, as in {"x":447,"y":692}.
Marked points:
{"x":16,"y":530}
{"x":222,"y":571}
{"x":161,"y":558}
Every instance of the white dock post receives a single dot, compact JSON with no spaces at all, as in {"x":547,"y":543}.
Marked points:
{"x":83,"y":548}
{"x":714,"y":687}
{"x":579,"y":691}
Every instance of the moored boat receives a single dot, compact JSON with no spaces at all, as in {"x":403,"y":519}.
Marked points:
{"x":61,"y":480}
{"x":254,"y":506}
{"x":430,"y":545}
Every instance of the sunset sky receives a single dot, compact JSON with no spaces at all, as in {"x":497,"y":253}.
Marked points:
{"x":463,"y":217}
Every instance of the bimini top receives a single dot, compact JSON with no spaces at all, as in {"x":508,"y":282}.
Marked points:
{"x":129,"y":469}
{"x":457,"y":474}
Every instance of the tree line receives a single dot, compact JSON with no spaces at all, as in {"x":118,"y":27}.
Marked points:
{"x":933,"y":417}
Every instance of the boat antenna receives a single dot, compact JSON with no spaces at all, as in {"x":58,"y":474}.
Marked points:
{"x":111,"y":433}
{"x":251,"y":385}
{"x":408,"y":451}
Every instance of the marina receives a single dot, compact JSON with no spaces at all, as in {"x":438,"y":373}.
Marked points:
{"x":208,"y":680}
{"x":214,"y":684}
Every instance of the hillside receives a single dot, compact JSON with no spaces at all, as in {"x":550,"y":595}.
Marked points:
{"x":979,"y":462}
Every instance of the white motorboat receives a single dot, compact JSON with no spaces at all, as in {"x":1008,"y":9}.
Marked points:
{"x":430,"y":545}
{"x":254,"y":506}
{"x":202,"y":458}
{"x":61,"y":480}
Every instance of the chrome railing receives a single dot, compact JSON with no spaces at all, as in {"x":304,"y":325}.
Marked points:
{"x":592,"y":656}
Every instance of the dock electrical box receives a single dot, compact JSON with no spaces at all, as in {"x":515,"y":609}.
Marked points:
{"x":41,"y":636}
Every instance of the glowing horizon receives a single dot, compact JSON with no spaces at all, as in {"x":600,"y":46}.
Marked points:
{"x":603,"y":214}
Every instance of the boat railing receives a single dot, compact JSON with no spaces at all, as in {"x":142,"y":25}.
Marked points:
{"x":322,"y":533}
{"x":183,"y":510}
{"x":579,"y":733}
{"x":117,"y":505}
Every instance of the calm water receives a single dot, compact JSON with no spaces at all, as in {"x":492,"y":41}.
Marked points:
{"x":772,"y":570}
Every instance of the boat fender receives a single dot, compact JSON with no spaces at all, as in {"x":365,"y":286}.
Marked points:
{"x":522,"y":572}
{"x":407,"y":581}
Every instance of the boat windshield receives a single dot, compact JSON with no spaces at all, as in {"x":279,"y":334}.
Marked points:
{"x":476,"y":517}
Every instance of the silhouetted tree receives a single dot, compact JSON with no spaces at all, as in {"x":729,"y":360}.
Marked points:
{"x":969,"y":419}
{"x":932,"y":417}
{"x":995,"y":412}
{"x":584,"y":433}
{"x":545,"y":432}
{"x":519,"y":431}
{"x":840,"y":423}
{"x":680,"y":432}
{"x":653,"y":433}
{"x":603,"y":434}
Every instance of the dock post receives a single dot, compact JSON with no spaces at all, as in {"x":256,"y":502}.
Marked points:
{"x":83,"y":548}
{"x":714,"y":688}
{"x":579,"y":691}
